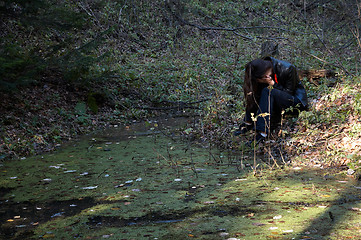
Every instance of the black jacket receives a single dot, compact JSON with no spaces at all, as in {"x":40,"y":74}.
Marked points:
{"x":288,"y":80}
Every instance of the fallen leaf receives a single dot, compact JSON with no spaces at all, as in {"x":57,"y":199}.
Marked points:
{"x":258,"y":224}
{"x":240,"y":235}
{"x":355,"y":209}
{"x":49,"y":236}
{"x":89,"y":188}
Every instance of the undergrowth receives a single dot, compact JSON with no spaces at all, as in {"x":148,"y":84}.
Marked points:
{"x":329,"y":134}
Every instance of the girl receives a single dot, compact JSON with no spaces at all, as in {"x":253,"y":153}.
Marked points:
{"x":270,"y":86}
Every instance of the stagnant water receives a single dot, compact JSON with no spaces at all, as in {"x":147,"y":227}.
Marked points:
{"x":143,"y":181}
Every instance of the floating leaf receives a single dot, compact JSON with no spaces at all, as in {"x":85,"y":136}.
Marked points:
{"x":240,"y":235}
{"x":355,"y":209}
{"x":89,"y":188}
{"x":258,"y":224}
{"x":57,"y":214}
{"x":239,"y":180}
{"x":56,"y":167}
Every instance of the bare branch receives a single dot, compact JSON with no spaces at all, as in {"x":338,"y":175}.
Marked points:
{"x":329,"y":50}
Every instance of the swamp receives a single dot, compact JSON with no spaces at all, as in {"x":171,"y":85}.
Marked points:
{"x":144,"y":181}
{"x":117,"y":120}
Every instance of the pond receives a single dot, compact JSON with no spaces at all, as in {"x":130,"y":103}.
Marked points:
{"x":145,"y":181}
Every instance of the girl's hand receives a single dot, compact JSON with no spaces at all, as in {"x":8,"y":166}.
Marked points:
{"x":268,"y":80}
{"x":271,"y":82}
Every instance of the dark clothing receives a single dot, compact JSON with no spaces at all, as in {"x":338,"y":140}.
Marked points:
{"x":288,"y":80}
{"x":287,"y":92}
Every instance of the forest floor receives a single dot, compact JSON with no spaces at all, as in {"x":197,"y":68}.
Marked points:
{"x":38,"y":119}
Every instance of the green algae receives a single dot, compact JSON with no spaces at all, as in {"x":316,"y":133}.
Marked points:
{"x":148,"y":184}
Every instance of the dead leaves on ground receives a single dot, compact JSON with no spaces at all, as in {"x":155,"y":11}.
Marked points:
{"x":330,"y":133}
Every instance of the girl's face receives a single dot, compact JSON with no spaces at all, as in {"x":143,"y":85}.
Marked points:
{"x":267,"y":77}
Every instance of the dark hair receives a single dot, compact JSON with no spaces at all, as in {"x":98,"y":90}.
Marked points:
{"x":254,"y":70}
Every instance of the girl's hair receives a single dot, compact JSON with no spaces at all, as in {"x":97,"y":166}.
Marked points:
{"x":252,"y":89}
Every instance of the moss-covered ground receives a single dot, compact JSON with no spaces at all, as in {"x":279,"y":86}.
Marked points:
{"x":147,"y":183}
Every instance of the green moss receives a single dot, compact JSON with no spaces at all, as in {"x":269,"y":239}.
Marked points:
{"x":126,"y":185}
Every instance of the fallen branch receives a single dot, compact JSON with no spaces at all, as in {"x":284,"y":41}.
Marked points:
{"x":208,"y":28}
